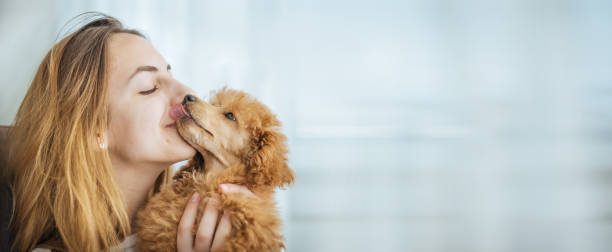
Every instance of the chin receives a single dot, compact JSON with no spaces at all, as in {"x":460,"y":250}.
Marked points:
{"x":177,"y":153}
{"x":184,"y":152}
{"x":179,"y":150}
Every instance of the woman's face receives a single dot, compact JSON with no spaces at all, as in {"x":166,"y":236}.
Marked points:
{"x":141,"y":93}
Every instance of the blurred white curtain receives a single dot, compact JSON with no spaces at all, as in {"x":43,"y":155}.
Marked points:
{"x":413,"y":125}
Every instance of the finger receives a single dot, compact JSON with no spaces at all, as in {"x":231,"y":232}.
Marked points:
{"x":206,"y":230}
{"x":233,"y":188}
{"x":223,"y":231}
{"x":184,"y":237}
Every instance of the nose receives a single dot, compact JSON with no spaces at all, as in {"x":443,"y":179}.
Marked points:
{"x":189,"y":98}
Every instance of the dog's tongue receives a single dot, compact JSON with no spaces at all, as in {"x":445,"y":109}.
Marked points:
{"x":177,"y":112}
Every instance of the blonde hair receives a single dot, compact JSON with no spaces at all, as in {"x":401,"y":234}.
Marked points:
{"x":65,"y":196}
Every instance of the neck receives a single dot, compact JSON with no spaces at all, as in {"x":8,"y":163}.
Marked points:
{"x":135,"y":181}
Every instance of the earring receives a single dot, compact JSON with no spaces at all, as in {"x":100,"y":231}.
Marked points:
{"x":102,"y":143}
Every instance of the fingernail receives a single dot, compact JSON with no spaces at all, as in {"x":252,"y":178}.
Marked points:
{"x":213,"y":203}
{"x":223,"y":187}
{"x":194,"y":198}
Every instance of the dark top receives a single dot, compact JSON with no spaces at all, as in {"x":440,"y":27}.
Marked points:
{"x":6,"y":200}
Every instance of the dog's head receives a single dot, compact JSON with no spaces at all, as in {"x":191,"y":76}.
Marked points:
{"x":235,"y":127}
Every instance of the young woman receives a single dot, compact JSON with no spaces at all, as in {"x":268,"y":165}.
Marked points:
{"x":93,"y":139}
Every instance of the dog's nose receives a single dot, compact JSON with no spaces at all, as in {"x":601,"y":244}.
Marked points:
{"x":189,"y":98}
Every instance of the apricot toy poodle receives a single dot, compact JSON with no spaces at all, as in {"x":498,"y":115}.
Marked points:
{"x":238,"y":140}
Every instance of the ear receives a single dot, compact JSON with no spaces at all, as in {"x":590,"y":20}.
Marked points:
{"x":267,"y":166}
{"x":196,"y":164}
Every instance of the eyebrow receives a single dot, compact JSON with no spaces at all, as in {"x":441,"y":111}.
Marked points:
{"x":147,"y":69}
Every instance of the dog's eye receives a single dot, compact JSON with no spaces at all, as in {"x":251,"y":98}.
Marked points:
{"x":230,"y":116}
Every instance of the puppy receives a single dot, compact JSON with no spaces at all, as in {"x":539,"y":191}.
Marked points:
{"x":238,"y":140}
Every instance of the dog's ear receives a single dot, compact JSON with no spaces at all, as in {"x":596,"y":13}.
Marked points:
{"x":196,"y":164}
{"x":267,"y":166}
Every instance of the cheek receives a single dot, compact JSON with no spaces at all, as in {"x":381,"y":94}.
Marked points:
{"x":135,"y":126}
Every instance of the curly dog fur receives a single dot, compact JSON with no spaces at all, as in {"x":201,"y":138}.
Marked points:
{"x":249,"y":150}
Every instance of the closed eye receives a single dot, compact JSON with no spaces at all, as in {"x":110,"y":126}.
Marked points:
{"x":150,"y":91}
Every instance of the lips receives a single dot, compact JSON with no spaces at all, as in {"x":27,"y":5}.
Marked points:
{"x":177,"y":112}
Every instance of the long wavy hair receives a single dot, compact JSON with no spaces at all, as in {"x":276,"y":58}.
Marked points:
{"x":64,"y":193}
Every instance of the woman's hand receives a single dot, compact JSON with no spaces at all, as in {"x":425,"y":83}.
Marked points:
{"x":204,"y":240}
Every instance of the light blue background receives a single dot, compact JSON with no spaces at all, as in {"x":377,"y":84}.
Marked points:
{"x":423,"y":125}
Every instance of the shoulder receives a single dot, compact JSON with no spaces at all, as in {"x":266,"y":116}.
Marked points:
{"x":127,"y":245}
{"x":41,"y":250}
